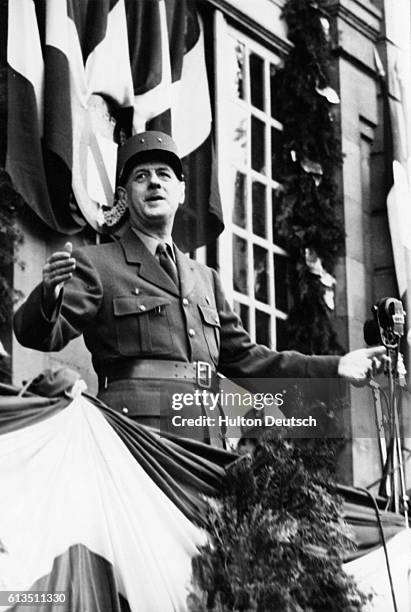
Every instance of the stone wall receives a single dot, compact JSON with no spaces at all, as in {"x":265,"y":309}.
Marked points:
{"x":367,"y":272}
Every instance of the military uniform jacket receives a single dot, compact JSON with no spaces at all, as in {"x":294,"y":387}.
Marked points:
{"x":127,"y":307}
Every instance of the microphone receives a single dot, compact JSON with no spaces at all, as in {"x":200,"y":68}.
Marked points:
{"x":387,"y":326}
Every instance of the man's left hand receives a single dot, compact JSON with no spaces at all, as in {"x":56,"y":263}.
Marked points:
{"x":358,"y":366}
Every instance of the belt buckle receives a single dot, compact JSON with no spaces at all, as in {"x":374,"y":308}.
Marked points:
{"x":203,"y":374}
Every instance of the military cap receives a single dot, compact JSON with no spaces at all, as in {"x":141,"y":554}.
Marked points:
{"x":148,"y":146}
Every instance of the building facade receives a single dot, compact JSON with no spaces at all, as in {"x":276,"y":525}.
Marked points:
{"x":248,"y":45}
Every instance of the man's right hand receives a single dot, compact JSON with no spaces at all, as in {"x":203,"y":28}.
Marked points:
{"x":358,"y":366}
{"x":58,"y":269}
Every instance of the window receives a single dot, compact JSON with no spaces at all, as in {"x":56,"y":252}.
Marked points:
{"x":252,"y":265}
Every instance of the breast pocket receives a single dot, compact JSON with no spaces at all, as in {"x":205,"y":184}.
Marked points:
{"x":143,"y":325}
{"x":211,"y":328}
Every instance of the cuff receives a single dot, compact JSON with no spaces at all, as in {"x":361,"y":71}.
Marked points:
{"x":51,"y":314}
{"x":322,"y":366}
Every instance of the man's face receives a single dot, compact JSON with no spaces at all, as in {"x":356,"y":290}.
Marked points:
{"x":153,"y":194}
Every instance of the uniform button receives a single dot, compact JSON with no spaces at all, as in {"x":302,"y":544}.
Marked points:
{"x":136,"y":291}
{"x":191,"y":332}
{"x":185,"y":302}
{"x":207,"y":299}
{"x":125,"y":410}
{"x":217,"y":320}
{"x":142,"y":307}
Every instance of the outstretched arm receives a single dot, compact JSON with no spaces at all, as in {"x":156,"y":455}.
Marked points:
{"x":241,"y":358}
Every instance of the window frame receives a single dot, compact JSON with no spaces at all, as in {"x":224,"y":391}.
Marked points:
{"x":224,"y":32}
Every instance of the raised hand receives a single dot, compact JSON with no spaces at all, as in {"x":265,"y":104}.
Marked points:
{"x":358,"y":366}
{"x":57,"y":270}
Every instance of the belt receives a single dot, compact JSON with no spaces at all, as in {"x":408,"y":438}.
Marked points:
{"x":200,"y":372}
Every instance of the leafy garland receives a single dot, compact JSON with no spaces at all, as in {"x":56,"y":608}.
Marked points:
{"x":9,"y":204}
{"x":10,"y":238}
{"x":278,"y":538}
{"x":311,"y":156}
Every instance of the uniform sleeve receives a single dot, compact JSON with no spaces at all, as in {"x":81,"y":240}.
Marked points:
{"x":76,"y":308}
{"x":240,"y":358}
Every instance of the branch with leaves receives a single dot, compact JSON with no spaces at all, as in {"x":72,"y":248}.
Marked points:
{"x":10,"y":238}
{"x":278,"y":538}
{"x":308,"y":223}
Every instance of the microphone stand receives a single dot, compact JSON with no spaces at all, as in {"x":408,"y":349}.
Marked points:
{"x":394,"y":476}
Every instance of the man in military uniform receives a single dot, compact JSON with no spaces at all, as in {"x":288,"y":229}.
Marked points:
{"x":156,"y":322}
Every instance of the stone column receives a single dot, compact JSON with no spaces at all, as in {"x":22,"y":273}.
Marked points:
{"x":356,"y":26}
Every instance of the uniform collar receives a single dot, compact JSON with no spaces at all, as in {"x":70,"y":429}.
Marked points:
{"x":151,"y":243}
{"x":136,"y":252}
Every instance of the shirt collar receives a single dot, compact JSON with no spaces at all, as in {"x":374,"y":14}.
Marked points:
{"x":152,"y":243}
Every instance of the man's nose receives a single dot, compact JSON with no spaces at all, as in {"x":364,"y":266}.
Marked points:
{"x":153,"y":179}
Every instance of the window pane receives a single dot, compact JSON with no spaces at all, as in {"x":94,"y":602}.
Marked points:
{"x":243,"y":312}
{"x":257,"y":145}
{"x":240,"y":199}
{"x":275,"y":91}
{"x":262,"y":328}
{"x":238,"y":135}
{"x":276,"y":195}
{"x":260,"y":274}
{"x":276,"y":154}
{"x":280,"y":279}
{"x":257,"y":81}
{"x":236,"y":69}
{"x":281,"y":333}
{"x":259,"y":209}
{"x":240,"y":266}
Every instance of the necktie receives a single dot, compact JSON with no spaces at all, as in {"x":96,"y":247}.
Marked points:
{"x":166,"y":261}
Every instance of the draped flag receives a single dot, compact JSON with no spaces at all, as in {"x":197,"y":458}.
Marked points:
{"x":371,"y":575}
{"x":107,"y":515}
{"x":81,"y":515}
{"x":397,"y":94}
{"x":83,"y":75}
{"x":172,"y":95}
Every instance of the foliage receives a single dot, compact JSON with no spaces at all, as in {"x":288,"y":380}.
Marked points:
{"x":278,"y":538}
{"x":10,"y":238}
{"x":311,"y":156}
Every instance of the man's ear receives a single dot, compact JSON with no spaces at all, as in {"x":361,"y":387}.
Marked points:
{"x":183,"y":193}
{"x":121,"y":194}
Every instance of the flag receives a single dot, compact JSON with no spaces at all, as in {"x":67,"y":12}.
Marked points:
{"x":25,"y":130}
{"x":80,"y":516}
{"x":172,"y":95}
{"x":371,"y":574}
{"x":396,"y":88}
{"x":62,"y":54}
{"x":83,"y":75}
{"x":104,"y":512}
{"x":98,"y":508}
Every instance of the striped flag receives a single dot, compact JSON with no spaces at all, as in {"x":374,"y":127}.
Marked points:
{"x":397,"y":99}
{"x":98,"y":508}
{"x":173,"y":96}
{"x":82,"y":76}
{"x":25,"y":130}
{"x":60,"y":54}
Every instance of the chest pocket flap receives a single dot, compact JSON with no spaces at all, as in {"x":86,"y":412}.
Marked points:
{"x":130,"y":304}
{"x":143,"y":325}
{"x":210,"y":316}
